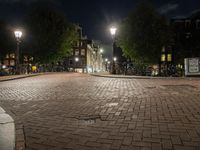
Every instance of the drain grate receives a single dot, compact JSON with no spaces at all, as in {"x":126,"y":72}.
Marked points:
{"x":88,"y":120}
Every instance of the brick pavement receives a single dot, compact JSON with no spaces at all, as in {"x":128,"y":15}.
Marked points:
{"x":81,"y":112}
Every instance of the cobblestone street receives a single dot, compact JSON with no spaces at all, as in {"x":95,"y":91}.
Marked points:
{"x":82,"y":112}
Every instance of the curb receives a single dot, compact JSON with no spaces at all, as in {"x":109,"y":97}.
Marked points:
{"x":142,"y":77}
{"x":20,"y":77}
{"x":7,"y":131}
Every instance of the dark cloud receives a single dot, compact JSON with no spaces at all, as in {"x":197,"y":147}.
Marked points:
{"x":24,"y":1}
{"x":168,"y":8}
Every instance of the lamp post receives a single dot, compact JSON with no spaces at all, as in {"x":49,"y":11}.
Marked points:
{"x":106,"y":60}
{"x":113,"y":31}
{"x":76,"y":61}
{"x":18,"y":35}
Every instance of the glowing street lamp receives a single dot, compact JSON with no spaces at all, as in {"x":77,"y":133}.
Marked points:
{"x":115,"y":59}
{"x":113,"y":31}
{"x":106,"y":60}
{"x":76,"y":59}
{"x":101,"y":50}
{"x":18,"y":35}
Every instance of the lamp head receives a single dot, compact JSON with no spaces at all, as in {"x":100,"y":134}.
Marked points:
{"x":18,"y":34}
{"x":113,"y":30}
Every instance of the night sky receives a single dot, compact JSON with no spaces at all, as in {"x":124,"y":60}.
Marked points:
{"x":95,"y":16}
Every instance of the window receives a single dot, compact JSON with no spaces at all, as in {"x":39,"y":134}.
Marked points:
{"x":198,"y":24}
{"x":12,"y":55}
{"x":187,"y":23}
{"x":76,"y":52}
{"x":83,"y":52}
{"x":70,"y":62}
{"x":83,"y":62}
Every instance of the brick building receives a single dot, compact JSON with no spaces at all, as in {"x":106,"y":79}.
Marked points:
{"x":86,"y":56}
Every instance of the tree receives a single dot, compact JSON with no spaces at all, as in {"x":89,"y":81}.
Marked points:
{"x":143,"y":34}
{"x":50,"y":36}
{"x":6,"y":40}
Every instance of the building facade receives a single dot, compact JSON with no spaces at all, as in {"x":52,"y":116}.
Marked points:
{"x":186,"y":37}
{"x":86,"y":56}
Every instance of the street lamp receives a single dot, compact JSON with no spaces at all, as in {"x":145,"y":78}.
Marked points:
{"x":115,"y":59}
{"x":75,"y":64}
{"x":113,"y":31}
{"x":101,"y":50}
{"x":76,"y":59}
{"x":106,"y":64}
{"x":18,"y":35}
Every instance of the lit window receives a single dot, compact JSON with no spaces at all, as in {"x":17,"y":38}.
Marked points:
{"x":163,"y":57}
{"x":12,"y":55}
{"x":83,"y":52}
{"x":76,"y":52}
{"x":169,"y":57}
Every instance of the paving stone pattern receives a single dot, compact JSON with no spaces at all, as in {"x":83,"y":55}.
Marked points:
{"x":82,"y":112}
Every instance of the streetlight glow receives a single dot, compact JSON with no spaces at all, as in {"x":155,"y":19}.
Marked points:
{"x":76,"y":59}
{"x":106,"y":59}
{"x":101,"y":50}
{"x":113,"y":30}
{"x":115,"y":58}
{"x":18,"y":34}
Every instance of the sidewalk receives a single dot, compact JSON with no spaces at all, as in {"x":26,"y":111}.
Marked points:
{"x":13,"y":77}
{"x":108,"y":75}
{"x":7,"y":131}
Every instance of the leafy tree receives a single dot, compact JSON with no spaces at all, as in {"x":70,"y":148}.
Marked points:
{"x":143,"y":34}
{"x":6,"y":40}
{"x":50,"y":35}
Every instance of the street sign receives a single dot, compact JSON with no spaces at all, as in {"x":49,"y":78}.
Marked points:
{"x":192,"y":66}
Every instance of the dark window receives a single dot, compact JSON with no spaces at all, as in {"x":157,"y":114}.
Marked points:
{"x":70,"y":62}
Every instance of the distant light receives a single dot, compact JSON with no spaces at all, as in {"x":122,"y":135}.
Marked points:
{"x":106,"y":59}
{"x":18,"y":34}
{"x":89,"y":69}
{"x":76,"y":59}
{"x":113,"y":30}
{"x":108,"y":62}
{"x":115,"y":58}
{"x":101,"y":50}
{"x":34,"y":68}
{"x":4,"y":66}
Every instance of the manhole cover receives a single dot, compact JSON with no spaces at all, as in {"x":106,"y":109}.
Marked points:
{"x":88,"y":120}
